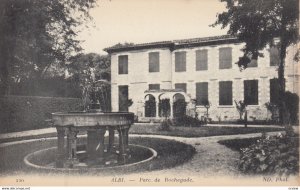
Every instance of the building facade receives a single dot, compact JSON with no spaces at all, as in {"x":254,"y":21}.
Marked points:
{"x":201,"y":69}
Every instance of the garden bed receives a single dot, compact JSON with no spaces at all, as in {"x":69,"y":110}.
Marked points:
{"x":267,"y":155}
{"x":203,"y":131}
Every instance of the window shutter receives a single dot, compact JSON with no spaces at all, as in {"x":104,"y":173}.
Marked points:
{"x":274,"y":56}
{"x":181,"y":86}
{"x":225,"y":58}
{"x":201,"y":60}
{"x":201,"y":92}
{"x":251,"y":92}
{"x":253,"y":63}
{"x":274,"y":91}
{"x":123,"y":64}
{"x":225,"y":93}
{"x":154,"y":86}
{"x":154,"y":62}
{"x":180,"y":61}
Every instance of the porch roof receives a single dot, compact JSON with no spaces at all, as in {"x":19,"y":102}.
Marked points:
{"x":163,"y":90}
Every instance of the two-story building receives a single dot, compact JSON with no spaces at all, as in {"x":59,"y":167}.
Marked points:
{"x":203,"y":69}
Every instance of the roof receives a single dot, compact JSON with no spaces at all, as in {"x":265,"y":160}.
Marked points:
{"x":176,"y":44}
{"x":163,"y":90}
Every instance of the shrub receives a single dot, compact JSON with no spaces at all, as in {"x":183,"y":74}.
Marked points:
{"x":179,"y":108}
{"x":241,"y":107}
{"x":273,"y":109}
{"x":19,"y":113}
{"x":271,"y":155}
{"x":292,"y":103}
{"x":187,"y":121}
{"x":165,"y":125}
{"x":164,"y":108}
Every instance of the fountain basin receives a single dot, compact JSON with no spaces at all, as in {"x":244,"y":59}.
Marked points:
{"x":95,"y":124}
{"x":45,"y":159}
{"x":82,"y":119}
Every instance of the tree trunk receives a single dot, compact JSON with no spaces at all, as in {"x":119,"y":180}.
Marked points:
{"x":281,"y":80}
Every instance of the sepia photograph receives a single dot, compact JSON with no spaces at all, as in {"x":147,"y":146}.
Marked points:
{"x":116,"y":93}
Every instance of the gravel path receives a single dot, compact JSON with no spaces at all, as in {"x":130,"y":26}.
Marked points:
{"x":211,"y":158}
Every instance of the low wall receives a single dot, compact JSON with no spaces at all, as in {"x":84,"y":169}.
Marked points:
{"x":20,"y":113}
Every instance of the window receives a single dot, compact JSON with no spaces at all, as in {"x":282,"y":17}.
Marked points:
{"x":123,"y":98}
{"x":274,"y":91}
{"x":201,"y":60}
{"x":123,"y":64}
{"x":253,"y":63}
{"x":201,"y":93}
{"x":225,"y":58}
{"x":274,"y":56}
{"x":251,"y":92}
{"x":225,"y":93}
{"x":181,"y":86}
{"x":154,"y":86}
{"x":180,"y":61}
{"x":154,"y":62}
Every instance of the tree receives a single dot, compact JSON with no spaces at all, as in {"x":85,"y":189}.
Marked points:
{"x":258,"y":23}
{"x":84,"y":69}
{"x":37,"y":35}
{"x":241,"y":107}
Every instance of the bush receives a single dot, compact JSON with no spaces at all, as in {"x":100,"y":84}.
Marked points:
{"x":292,"y":103}
{"x":19,"y":113}
{"x":271,"y":155}
{"x":179,"y":108}
{"x":165,"y":125}
{"x":187,"y":121}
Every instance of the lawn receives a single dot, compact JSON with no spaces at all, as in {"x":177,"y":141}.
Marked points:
{"x":154,"y":129}
{"x":203,"y":131}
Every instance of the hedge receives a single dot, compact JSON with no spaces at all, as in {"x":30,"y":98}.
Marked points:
{"x":20,"y":113}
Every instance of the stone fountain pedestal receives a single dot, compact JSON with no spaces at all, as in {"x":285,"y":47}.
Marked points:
{"x":96,"y":125}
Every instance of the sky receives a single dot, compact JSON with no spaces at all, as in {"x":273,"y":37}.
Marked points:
{"x":142,"y":21}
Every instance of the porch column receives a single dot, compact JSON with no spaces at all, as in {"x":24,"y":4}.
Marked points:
{"x":171,"y":108}
{"x":157,"y":109}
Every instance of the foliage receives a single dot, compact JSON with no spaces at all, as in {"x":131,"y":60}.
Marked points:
{"x":38,"y":37}
{"x":129,"y":102}
{"x":84,"y":70}
{"x":271,"y":155}
{"x":20,"y":113}
{"x":165,"y":125}
{"x":164,"y":107}
{"x":179,"y":108}
{"x":56,"y":86}
{"x":292,"y":106}
{"x":187,"y":121}
{"x":241,"y":107}
{"x":150,"y":108}
{"x":120,"y":45}
{"x":258,"y":23}
{"x":273,"y":108}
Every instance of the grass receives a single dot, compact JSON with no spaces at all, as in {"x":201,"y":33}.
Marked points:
{"x":203,"y":131}
{"x":154,"y":129}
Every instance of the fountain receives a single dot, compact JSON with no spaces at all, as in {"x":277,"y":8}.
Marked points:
{"x":95,"y":123}
{"x":83,"y":146}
